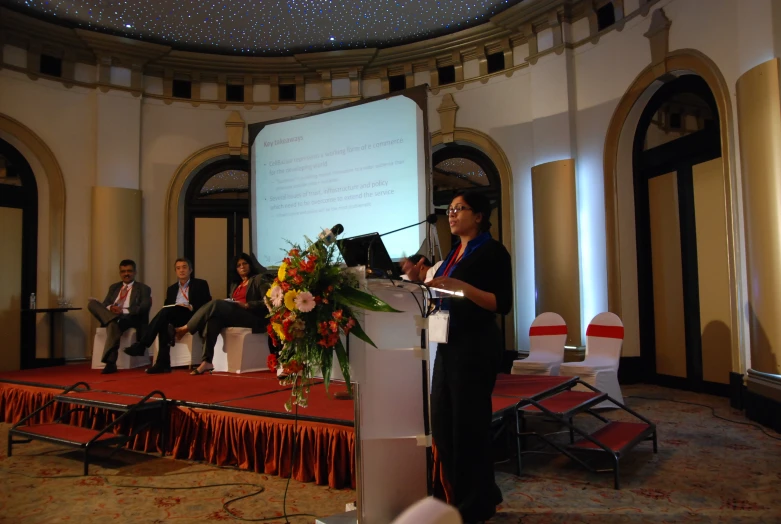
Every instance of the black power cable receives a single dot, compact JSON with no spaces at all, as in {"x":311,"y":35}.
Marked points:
{"x":713,"y":412}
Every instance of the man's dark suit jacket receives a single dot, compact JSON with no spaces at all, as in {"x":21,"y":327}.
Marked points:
{"x":198,"y":293}
{"x":140,"y":303}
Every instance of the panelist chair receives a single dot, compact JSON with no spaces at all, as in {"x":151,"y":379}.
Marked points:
{"x":547,"y":336}
{"x":239,"y":350}
{"x":185,"y":352}
{"x":604,"y":338}
{"x":124,"y":361}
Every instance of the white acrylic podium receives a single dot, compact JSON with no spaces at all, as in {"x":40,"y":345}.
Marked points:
{"x":391,"y":445}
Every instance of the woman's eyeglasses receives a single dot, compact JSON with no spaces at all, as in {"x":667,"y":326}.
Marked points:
{"x":457,"y":209}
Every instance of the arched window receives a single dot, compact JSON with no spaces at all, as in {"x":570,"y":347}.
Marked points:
{"x":217,"y":220}
{"x":459,"y":167}
{"x":19,"y":238}
{"x":680,"y":229}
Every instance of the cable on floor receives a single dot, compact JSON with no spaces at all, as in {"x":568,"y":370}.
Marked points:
{"x":713,"y":412}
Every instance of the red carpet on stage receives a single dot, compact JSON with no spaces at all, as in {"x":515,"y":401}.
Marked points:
{"x":222,"y":418}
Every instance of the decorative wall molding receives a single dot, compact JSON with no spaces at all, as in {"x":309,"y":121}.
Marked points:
{"x":504,"y":32}
{"x":692,"y":61}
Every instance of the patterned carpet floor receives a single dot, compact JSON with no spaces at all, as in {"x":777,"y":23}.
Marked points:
{"x":707,"y":471}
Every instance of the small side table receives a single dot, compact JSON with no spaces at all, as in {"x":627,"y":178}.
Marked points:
{"x":52,"y":315}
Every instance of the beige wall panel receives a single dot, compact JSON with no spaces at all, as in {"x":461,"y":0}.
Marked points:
{"x":667,"y":275}
{"x":116,"y":235}
{"x":713,"y":271}
{"x":556,"y":261}
{"x":759,"y":119}
{"x":211,"y":245}
{"x":443,"y":231}
{"x":246,"y":244}
{"x":10,"y":287}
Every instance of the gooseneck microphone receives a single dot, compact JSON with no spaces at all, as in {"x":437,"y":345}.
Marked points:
{"x":431,"y":219}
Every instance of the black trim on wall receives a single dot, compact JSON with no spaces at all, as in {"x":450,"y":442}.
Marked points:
{"x":632,"y":370}
{"x":737,"y":390}
{"x":763,"y":410}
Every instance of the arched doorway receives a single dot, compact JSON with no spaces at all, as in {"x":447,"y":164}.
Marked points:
{"x":18,"y":258}
{"x":216,"y":220}
{"x":459,"y":167}
{"x":681,"y":238}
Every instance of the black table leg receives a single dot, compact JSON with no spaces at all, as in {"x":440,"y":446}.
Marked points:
{"x":51,"y":334}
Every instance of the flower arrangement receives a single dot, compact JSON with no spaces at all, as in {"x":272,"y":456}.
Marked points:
{"x":311,"y":305}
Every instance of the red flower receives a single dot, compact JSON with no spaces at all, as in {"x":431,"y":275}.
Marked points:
{"x":333,"y":326}
{"x":298,"y":280}
{"x":337,"y":315}
{"x":271,"y":361}
{"x":292,"y":367}
{"x":348,"y":326}
{"x":292,"y":272}
{"x":294,"y":252}
{"x":307,"y":266}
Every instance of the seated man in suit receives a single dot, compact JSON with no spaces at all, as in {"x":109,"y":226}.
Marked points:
{"x":126,"y":306}
{"x":183,"y":298}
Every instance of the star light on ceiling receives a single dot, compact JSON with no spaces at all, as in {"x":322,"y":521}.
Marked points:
{"x":270,"y":27}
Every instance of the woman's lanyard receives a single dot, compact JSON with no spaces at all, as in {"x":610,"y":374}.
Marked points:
{"x":451,"y":265}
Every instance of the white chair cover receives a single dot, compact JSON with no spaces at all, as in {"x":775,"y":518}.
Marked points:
{"x":604,"y":338}
{"x":429,"y":511}
{"x":185,"y":352}
{"x":547,"y":336}
{"x":124,"y":361}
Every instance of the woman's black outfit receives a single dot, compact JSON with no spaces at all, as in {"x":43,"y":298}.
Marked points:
{"x":464,"y":375}
{"x":220,"y":314}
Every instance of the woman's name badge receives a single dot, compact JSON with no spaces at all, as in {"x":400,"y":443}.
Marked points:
{"x":438,"y":324}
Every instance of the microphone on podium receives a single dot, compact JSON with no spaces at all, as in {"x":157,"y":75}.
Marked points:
{"x":327,"y":236}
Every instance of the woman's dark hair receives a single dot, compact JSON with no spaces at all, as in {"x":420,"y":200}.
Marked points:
{"x":249,"y":259}
{"x":479,"y":204}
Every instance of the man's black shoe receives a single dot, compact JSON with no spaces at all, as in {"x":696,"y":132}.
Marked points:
{"x":156,"y":370}
{"x":136,"y":349}
{"x":109,"y":369}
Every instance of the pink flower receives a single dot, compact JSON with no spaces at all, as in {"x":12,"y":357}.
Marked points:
{"x":305,"y":302}
{"x":277,"y":295}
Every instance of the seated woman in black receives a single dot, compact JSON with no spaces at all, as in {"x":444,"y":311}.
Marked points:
{"x":245,"y":308}
{"x":466,"y":366}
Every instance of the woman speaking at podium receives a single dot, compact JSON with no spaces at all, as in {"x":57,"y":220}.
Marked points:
{"x":466,"y":365}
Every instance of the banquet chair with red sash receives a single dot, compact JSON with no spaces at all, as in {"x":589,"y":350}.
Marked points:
{"x":547,"y":336}
{"x":604,"y":338}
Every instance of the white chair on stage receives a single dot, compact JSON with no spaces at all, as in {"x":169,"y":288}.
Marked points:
{"x":429,"y":511}
{"x":239,"y":350}
{"x":604,"y":337}
{"x":547,"y":336}
{"x":124,"y":361}
{"x":186,"y":352}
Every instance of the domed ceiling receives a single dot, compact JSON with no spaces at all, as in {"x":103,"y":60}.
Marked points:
{"x":268,"y":27}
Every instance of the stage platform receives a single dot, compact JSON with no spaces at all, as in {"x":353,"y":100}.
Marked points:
{"x":237,"y":420}
{"x":225,"y":419}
